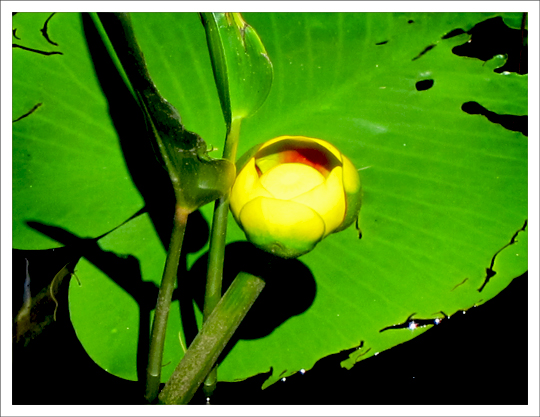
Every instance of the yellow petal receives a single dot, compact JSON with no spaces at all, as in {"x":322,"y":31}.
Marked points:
{"x":353,"y":194}
{"x":246,"y":187}
{"x":328,"y":200}
{"x":351,"y":178}
{"x":285,"y":228}
{"x":287,"y":181}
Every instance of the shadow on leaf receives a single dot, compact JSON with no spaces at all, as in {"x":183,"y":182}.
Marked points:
{"x":290,"y":287}
{"x":125,"y":271}
{"x":150,"y":178}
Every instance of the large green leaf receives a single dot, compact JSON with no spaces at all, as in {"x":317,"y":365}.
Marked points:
{"x":67,"y":160}
{"x":445,"y":202}
{"x":444,"y":190}
{"x":125,"y":274}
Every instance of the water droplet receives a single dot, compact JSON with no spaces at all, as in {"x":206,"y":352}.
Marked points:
{"x":207,"y":400}
{"x":302,"y":371}
{"x":376,"y":353}
{"x":283,"y":379}
{"x":412,"y":325}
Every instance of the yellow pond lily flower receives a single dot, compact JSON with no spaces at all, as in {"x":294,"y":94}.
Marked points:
{"x":293,"y":191}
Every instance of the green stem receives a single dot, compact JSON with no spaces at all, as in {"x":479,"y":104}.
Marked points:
{"x":210,"y":341}
{"x":216,"y":252}
{"x":159,"y":327}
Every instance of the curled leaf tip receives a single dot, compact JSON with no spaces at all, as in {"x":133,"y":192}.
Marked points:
{"x":242,"y":69}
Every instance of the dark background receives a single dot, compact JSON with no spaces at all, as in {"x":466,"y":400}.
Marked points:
{"x":480,"y":357}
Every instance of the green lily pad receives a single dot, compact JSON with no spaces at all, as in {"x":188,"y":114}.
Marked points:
{"x":67,"y":167}
{"x":445,"y":192}
{"x":112,"y":308}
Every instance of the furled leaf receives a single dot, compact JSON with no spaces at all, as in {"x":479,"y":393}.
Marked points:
{"x":242,"y":68}
{"x":197,"y":179}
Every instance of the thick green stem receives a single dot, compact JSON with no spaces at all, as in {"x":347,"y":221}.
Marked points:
{"x":210,"y":341}
{"x":159,"y":327}
{"x":216,"y":252}
{"x":219,"y":231}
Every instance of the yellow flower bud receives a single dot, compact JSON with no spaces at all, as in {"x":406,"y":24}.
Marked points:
{"x":293,"y":191}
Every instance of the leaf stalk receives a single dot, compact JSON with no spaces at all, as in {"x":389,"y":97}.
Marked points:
{"x":210,"y":341}
{"x":216,"y":252}
{"x":163,"y":305}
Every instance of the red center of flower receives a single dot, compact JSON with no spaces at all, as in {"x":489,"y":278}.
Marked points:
{"x":311,"y":157}
{"x":296,"y":151}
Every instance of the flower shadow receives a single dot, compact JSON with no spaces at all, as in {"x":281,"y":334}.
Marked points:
{"x":290,"y":287}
